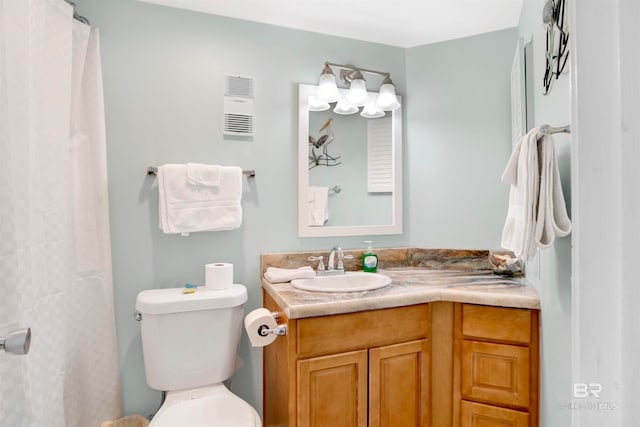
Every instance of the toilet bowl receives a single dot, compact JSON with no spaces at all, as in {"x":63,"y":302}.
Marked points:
{"x":213,"y":406}
{"x":190,"y":344}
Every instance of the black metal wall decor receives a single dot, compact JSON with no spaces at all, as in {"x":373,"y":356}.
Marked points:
{"x":557,"y":48}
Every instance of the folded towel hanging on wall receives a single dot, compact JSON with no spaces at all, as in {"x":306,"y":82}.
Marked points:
{"x":537,"y":212}
{"x":552,"y":219}
{"x":318,"y":206}
{"x":189,"y":201}
{"x":199,"y":174}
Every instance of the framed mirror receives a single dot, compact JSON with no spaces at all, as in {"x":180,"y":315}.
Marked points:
{"x":349,"y":170}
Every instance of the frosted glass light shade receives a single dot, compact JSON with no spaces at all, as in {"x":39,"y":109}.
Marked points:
{"x":343,"y":107}
{"x":357,"y":93}
{"x":327,"y":88}
{"x":387,"y":99}
{"x":316,"y":104}
{"x":372,"y":111}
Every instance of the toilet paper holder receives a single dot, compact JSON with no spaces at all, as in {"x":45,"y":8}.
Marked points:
{"x":264,"y":330}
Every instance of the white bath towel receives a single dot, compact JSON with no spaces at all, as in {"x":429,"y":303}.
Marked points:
{"x":552,"y":218}
{"x":522,"y":174}
{"x":200,"y":174}
{"x":186,"y":205}
{"x":318,"y":205}
{"x":537,"y":211}
{"x":280,"y":275}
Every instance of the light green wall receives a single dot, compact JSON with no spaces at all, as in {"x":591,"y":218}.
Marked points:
{"x":550,"y":271}
{"x":163,"y":77}
{"x":459,"y":140}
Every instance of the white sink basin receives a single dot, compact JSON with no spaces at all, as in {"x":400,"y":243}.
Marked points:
{"x":351,"y":281}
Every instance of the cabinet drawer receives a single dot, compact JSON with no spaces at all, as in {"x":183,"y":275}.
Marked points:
{"x":495,"y":373}
{"x":354,"y":331}
{"x":496,"y":323}
{"x":479,"y":415}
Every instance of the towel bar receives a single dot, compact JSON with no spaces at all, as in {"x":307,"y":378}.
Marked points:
{"x":548,"y":130}
{"x":152,"y":170}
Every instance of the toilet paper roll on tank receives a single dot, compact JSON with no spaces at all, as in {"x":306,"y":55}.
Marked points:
{"x":218,"y":275}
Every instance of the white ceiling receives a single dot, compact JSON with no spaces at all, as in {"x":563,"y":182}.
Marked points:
{"x":402,"y":23}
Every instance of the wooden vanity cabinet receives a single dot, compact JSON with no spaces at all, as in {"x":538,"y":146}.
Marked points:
{"x":496,"y":377}
{"x":440,"y":364}
{"x":360,"y":369}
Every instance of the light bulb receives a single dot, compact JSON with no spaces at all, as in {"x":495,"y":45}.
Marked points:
{"x":372,"y":111}
{"x":327,"y":88}
{"x":357,"y":93}
{"x":316,"y":104}
{"x":387,"y":99}
{"x":343,"y":107}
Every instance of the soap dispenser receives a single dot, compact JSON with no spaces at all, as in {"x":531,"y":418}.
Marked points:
{"x":369,"y":259}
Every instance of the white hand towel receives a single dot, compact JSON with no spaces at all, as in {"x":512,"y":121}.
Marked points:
{"x":280,"y":275}
{"x":552,"y":217}
{"x":537,"y":212}
{"x":318,"y":205}
{"x":523,"y":175}
{"x":188,"y":207}
{"x":199,"y":174}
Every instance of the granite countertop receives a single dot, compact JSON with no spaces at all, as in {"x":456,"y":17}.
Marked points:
{"x":455,"y":276}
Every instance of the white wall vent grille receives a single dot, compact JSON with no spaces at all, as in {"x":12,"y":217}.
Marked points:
{"x":242,"y":87}
{"x":238,"y":124}
{"x":238,"y":105}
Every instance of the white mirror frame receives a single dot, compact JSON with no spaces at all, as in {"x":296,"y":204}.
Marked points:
{"x":304,"y":230}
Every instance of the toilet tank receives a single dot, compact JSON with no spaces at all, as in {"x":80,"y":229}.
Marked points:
{"x":190,"y":340}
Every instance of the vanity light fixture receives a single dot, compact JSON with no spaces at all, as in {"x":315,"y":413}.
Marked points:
{"x":372,"y":111}
{"x":343,"y":107}
{"x":357,"y":90}
{"x":387,"y":99}
{"x":357,"y":95}
{"x":317,"y":104}
{"x":327,"y":87}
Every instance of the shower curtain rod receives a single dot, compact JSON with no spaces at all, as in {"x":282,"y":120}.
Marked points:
{"x":76,"y":15}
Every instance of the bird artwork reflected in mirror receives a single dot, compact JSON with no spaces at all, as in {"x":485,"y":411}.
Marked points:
{"x":319,"y":147}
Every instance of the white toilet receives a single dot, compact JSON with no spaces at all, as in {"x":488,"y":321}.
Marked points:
{"x":190,"y":344}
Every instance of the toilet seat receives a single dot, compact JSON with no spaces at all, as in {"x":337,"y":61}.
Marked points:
{"x":212,"y":406}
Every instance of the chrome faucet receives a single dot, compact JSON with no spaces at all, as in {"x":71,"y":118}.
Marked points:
{"x":339,"y":269}
{"x":331,"y":269}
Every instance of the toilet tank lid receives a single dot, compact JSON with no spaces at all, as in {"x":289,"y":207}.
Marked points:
{"x":172,"y":300}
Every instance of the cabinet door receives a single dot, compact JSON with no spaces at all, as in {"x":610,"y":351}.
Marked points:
{"x":479,"y":415}
{"x":399,"y":385}
{"x":495,"y":373}
{"x":332,"y":390}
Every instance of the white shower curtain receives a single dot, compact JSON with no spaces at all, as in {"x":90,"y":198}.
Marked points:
{"x":55,"y":260}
